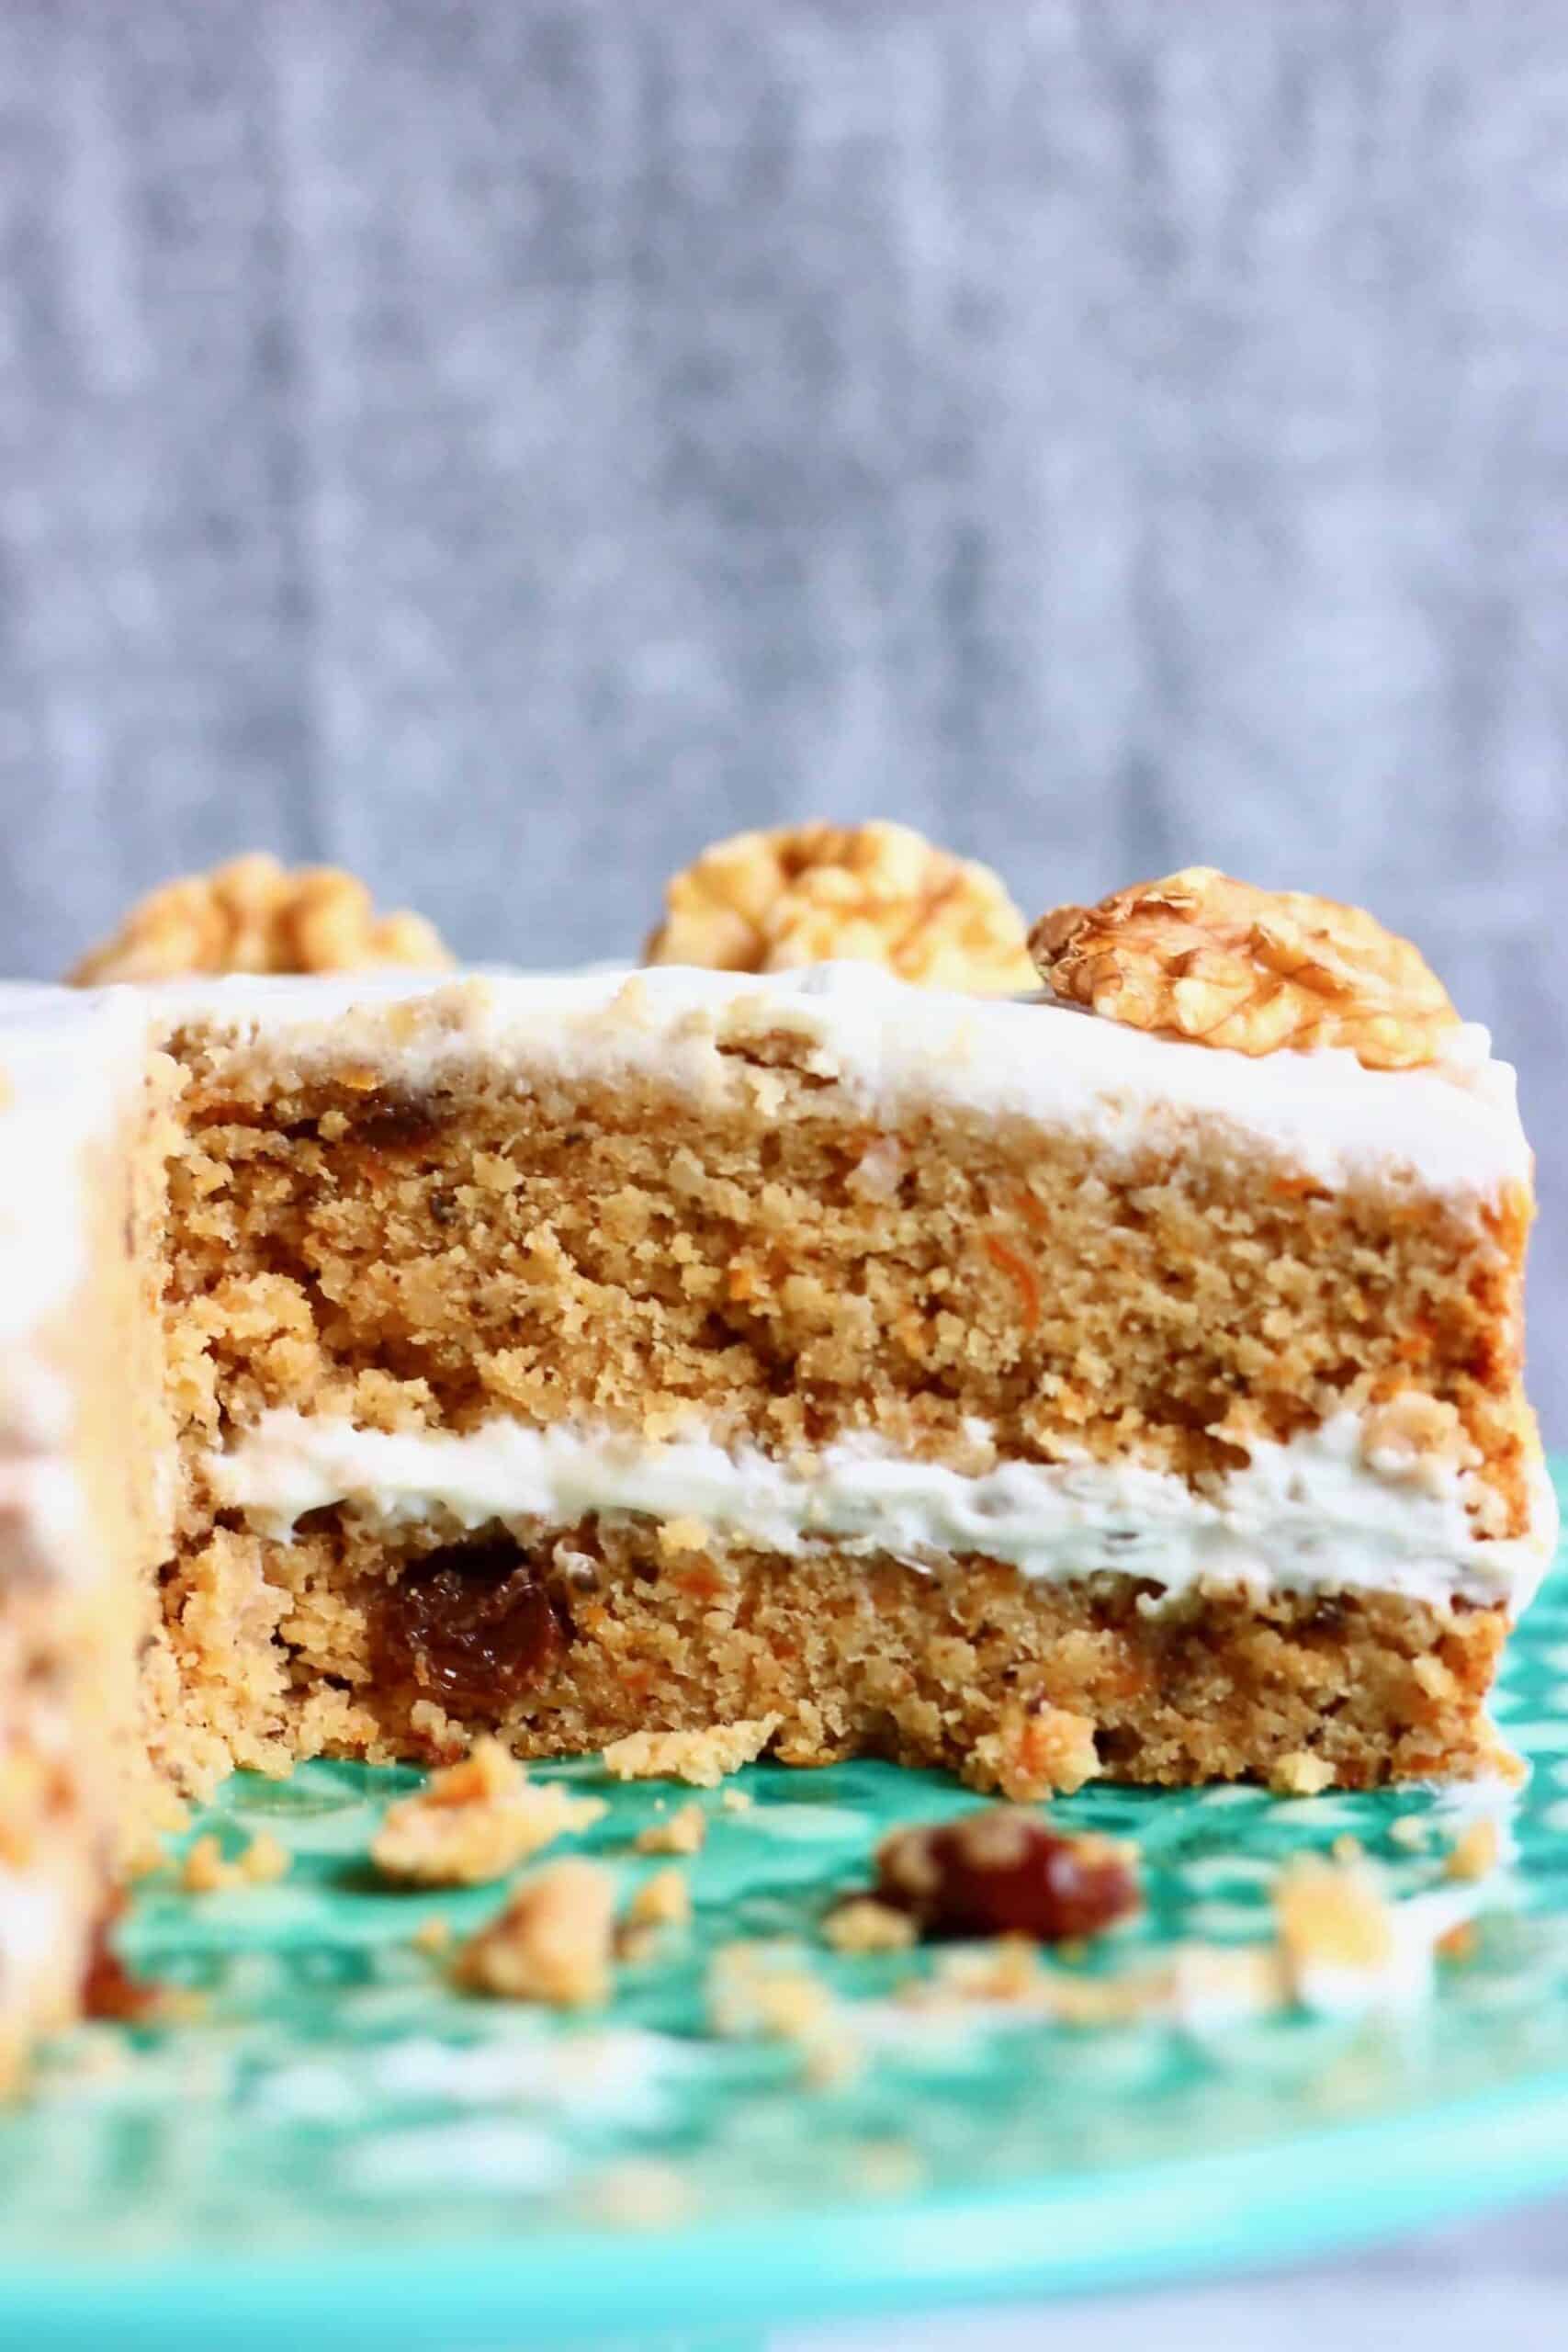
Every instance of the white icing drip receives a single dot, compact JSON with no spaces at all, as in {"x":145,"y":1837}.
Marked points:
{"x":1313,"y":1514}
{"x":1452,"y":1128}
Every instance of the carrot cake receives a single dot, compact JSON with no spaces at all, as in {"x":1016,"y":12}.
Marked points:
{"x":1119,"y":1377}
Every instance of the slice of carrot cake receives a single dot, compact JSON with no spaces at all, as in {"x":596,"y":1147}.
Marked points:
{"x":1123,"y":1380}
{"x":1122,"y":1376}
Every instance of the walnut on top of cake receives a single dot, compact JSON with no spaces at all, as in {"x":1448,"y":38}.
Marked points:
{"x":876,"y":893}
{"x":1200,"y":955}
{"x":255,"y":915}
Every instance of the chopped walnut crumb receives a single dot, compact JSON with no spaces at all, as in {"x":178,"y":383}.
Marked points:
{"x":872,"y":893}
{"x":1035,"y":1752}
{"x":552,"y":1942}
{"x":1299,"y":1774}
{"x":700,"y":1757}
{"x":475,"y":1821}
{"x":1477,"y":1852}
{"x":1200,"y":955}
{"x":864,"y":1924}
{"x":681,"y":1832}
{"x":253,"y":915}
{"x":662,"y":1900}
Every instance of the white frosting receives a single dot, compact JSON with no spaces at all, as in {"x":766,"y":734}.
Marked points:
{"x":1317,"y":1514}
{"x":68,"y":1065}
{"x":1452,"y":1128}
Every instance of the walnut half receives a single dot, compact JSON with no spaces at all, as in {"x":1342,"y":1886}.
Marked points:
{"x":1200,"y":955}
{"x":253,"y":915}
{"x":872,"y":894}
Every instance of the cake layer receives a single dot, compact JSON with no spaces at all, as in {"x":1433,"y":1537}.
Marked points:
{"x":418,"y":1222}
{"x":1341,"y":1507}
{"x":361,"y":1641}
{"x":803,"y":1280}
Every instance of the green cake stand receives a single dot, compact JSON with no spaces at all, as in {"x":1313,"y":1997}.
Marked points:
{"x":337,"y":2146}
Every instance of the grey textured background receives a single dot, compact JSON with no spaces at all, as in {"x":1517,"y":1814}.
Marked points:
{"x":500,"y":446}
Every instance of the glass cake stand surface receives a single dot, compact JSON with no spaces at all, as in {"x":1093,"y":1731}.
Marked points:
{"x":335,"y":2140}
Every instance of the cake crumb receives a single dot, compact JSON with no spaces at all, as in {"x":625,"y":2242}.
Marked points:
{"x":1477,"y":1852}
{"x":864,"y":1924}
{"x":1411,"y":1830}
{"x":431,"y":1935}
{"x":1331,"y":1915}
{"x":737,"y":1799}
{"x":1299,"y":1774}
{"x":753,"y":1990}
{"x":1006,"y":1969}
{"x":702,"y":1758}
{"x":682,"y":1832}
{"x":1034,"y":1753}
{"x":261,"y":1863}
{"x":265,"y":1860}
{"x":662,"y":1900}
{"x":551,"y":1943}
{"x":204,"y":1870}
{"x":476,"y":1821}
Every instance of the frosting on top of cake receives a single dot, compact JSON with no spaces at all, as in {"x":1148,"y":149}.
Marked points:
{"x":1452,"y":1127}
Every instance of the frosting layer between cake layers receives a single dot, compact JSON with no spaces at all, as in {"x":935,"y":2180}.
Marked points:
{"x":1327,"y":1511}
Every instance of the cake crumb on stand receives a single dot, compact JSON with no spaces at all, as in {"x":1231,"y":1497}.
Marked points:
{"x":475,"y":1821}
{"x":552,"y":1943}
{"x":702,"y":1758}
